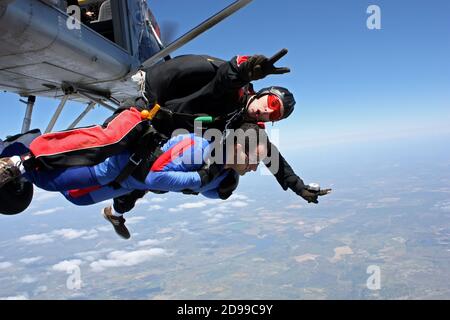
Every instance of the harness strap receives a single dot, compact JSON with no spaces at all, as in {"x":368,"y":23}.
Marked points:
{"x":145,"y":153}
{"x":132,"y":164}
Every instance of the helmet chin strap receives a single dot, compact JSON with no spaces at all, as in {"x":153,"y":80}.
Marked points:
{"x":245,"y":109}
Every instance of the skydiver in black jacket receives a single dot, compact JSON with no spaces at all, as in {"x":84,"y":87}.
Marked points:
{"x":193,"y":85}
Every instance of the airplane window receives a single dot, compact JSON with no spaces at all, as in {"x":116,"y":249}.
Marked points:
{"x":97,"y":15}
{"x":104,"y":12}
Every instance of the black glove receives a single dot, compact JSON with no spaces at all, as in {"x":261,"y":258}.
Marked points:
{"x":259,"y":66}
{"x":308,"y":194}
{"x":209,"y":172}
{"x":313,"y":195}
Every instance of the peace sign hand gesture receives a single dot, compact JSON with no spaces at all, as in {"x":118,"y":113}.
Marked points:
{"x":258,"y":66}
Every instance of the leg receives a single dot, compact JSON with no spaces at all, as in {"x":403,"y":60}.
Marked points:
{"x":62,"y":179}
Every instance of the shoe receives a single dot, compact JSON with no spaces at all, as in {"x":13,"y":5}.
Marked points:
{"x":117,"y":222}
{"x":8,"y":171}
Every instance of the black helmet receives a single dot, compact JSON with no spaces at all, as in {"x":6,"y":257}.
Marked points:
{"x":15,"y":196}
{"x":284,"y":94}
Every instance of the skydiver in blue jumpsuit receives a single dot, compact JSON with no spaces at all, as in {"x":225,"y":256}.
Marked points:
{"x":179,"y":168}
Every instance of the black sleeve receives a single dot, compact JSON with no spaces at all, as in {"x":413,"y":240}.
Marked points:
{"x":283,"y":172}
{"x":126,"y":202}
{"x":179,"y":77}
{"x":215,"y":95}
{"x":228,"y":78}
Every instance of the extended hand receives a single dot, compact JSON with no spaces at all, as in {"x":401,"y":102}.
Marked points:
{"x":259,"y":66}
{"x":312,"y":196}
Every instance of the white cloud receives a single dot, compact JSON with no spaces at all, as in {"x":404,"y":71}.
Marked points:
{"x":86,"y":255}
{"x":66,"y":265}
{"x":37,"y":238}
{"x":191,"y":205}
{"x":295,"y":206}
{"x":154,"y":207}
{"x":220,"y":208}
{"x":238,"y":204}
{"x":443,"y":205}
{"x":28,"y":279}
{"x":91,"y":234}
{"x":215,"y":218}
{"x":149,"y":242}
{"x":71,"y":234}
{"x":164,"y":230}
{"x":194,"y":205}
{"x":135,"y":220}
{"x":158,"y":200}
{"x":48,"y":211}
{"x":67,"y":234}
{"x":142,"y":202}
{"x":18,"y":297}
{"x":104,"y":229}
{"x":39,"y":290}
{"x":5,"y":265}
{"x":228,"y":206}
{"x":127,"y":259}
{"x":42,"y":195}
{"x":238,"y":196}
{"x":235,"y":201}
{"x":30,"y":260}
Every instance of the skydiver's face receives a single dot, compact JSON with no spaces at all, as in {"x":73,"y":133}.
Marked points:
{"x":243,"y":162}
{"x":266,"y":108}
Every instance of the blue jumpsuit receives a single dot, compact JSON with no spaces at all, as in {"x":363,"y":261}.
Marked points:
{"x":175,"y":170}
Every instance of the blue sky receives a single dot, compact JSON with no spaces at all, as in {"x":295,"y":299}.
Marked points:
{"x":348,"y":80}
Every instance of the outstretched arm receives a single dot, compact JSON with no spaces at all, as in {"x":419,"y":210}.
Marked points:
{"x":237,"y":73}
{"x":281,"y":169}
{"x":286,"y":176}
